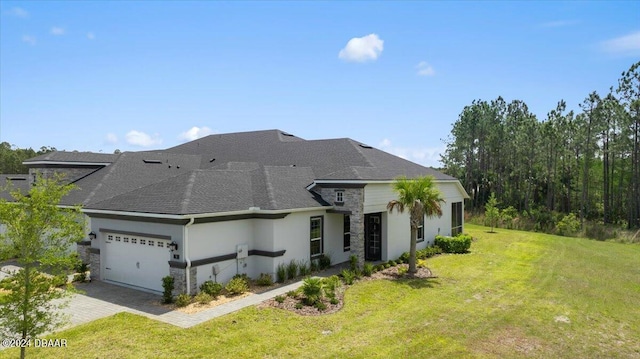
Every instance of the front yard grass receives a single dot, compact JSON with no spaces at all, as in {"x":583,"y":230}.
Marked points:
{"x":516,"y":294}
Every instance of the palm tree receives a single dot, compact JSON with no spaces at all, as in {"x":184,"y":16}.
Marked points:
{"x":420,"y":197}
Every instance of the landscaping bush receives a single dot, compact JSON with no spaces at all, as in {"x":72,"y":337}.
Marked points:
{"x":331,"y":284}
{"x":237,"y":285}
{"x":393,"y":263}
{"x":458,"y":244}
{"x":428,"y":252}
{"x":353,"y":262}
{"x":182,"y":300}
{"x":404,"y":257}
{"x":299,"y":305}
{"x":324,"y":261}
{"x":403,"y":270}
{"x":211,"y":288}
{"x":303,"y":268}
{"x":367,"y":269}
{"x":203,"y":298}
{"x":348,"y":276}
{"x":279,"y":299}
{"x":292,"y":269}
{"x":281,"y":273}
{"x":320,"y":306}
{"x":313,"y":290}
{"x":244,"y":277}
{"x":167,"y":285}
{"x":313,"y":267}
{"x":421,"y":263}
{"x":264,"y":280}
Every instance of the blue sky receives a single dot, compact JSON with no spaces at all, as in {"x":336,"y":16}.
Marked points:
{"x":99,"y":76}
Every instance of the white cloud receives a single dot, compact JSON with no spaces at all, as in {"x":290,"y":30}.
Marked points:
{"x":18,"y":12}
{"x":426,"y":156}
{"x":91,"y":36}
{"x":424,"y":69}
{"x":559,"y":23}
{"x":361,"y":49}
{"x":31,"y":40}
{"x":194,"y":133}
{"x":57,"y":31}
{"x":111,"y":138}
{"x":142,"y":139}
{"x":627,"y":44}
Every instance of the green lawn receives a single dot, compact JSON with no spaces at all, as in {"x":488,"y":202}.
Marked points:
{"x":517,"y":294}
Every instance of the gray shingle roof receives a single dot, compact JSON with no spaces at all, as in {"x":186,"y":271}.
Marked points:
{"x":64,"y":156}
{"x":11,"y":183}
{"x":230,"y":172}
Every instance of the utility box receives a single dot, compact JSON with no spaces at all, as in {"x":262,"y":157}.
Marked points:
{"x":242,"y":251}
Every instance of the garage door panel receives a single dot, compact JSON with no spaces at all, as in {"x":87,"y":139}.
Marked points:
{"x":137,"y":261}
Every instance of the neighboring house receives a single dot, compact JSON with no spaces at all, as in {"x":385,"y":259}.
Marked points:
{"x":241,"y":203}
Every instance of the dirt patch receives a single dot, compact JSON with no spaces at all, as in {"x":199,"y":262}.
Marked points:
{"x":507,"y":341}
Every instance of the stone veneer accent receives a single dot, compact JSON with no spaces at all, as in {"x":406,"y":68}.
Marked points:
{"x":354,"y":202}
{"x":180,"y":280}
{"x":83,"y":251}
{"x":94,"y":263}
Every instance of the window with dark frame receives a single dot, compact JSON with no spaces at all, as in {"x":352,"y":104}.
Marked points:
{"x":339,"y":196}
{"x":420,"y":234}
{"x":346,"y":241}
{"x":456,"y":218}
{"x":315,"y":235}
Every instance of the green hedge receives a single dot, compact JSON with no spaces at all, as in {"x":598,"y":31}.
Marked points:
{"x":458,"y":244}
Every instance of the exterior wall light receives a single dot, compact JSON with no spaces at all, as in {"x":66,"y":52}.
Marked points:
{"x":173,"y":246}
{"x":92,"y":235}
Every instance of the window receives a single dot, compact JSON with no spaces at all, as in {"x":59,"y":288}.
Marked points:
{"x":110,"y":237}
{"x":339,"y":196}
{"x":456,"y":218}
{"x":125,"y":239}
{"x":346,"y":241}
{"x":420,"y":234}
{"x":134,"y":240}
{"x":160,"y":244}
{"x":143,"y":241}
{"x":316,"y":236}
{"x":151,"y":242}
{"x":117,"y":238}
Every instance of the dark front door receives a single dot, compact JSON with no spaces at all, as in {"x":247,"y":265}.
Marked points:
{"x":373,"y":237}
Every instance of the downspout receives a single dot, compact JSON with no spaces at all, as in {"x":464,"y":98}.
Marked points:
{"x":185,"y":239}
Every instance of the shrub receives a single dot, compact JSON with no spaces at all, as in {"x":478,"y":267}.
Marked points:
{"x":299,"y":305}
{"x":303,"y":268}
{"x":182,"y":300}
{"x":568,"y":225}
{"x":387,"y":265}
{"x":167,"y":293}
{"x":331,"y":284}
{"x":237,"y":285}
{"x":404,"y":257}
{"x":203,"y":298}
{"x":313,"y":267}
{"x":320,"y":305}
{"x":244,"y":277}
{"x":292,"y":269}
{"x":313,"y":289}
{"x":334,"y":301}
{"x":292,"y":293}
{"x":457,"y":244}
{"x":80,"y":277}
{"x":348,"y":276}
{"x":367,"y":269}
{"x":211,"y":288}
{"x":353,"y":262}
{"x":393,"y":263}
{"x":324,"y":261}
{"x":379,"y":267}
{"x":428,"y":252}
{"x":264,"y":280}
{"x":421,"y":263}
{"x":279,"y":299}
{"x":403,"y":270}
{"x":281,"y":273}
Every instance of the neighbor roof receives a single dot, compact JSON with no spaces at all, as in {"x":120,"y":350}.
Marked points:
{"x":229,"y":172}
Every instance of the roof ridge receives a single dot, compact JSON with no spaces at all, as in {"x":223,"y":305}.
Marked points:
{"x":188,"y":191}
{"x":111,"y":167}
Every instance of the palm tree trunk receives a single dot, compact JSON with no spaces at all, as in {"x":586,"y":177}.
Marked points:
{"x":412,"y":250}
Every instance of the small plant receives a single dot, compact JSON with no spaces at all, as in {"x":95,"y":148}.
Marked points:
{"x":292,"y":293}
{"x":167,"y":293}
{"x":320,"y":306}
{"x":313,"y":290}
{"x":367,"y":269}
{"x":182,"y":300}
{"x":211,"y":288}
{"x":292,"y":269}
{"x":402,"y":270}
{"x":279,"y":299}
{"x":353,"y":262}
{"x":393,"y":263}
{"x":303,"y":268}
{"x":404,"y":257}
{"x":421,"y":263}
{"x":281,"y":273}
{"x":313,"y":267}
{"x":348,"y":276}
{"x":331,"y":284}
{"x":299,"y":305}
{"x":244,"y":277}
{"x":203,"y":298}
{"x":237,"y":286}
{"x":387,"y":265}
{"x":80,"y":277}
{"x":324,"y":261}
{"x":379,"y":267}
{"x":334,"y":301}
{"x":264,"y":280}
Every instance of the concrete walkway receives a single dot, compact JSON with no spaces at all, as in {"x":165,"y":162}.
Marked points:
{"x":101,"y":299}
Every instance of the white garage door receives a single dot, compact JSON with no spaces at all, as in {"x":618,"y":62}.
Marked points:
{"x":135,"y":260}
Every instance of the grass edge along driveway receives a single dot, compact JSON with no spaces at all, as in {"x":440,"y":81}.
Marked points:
{"x":517,"y":294}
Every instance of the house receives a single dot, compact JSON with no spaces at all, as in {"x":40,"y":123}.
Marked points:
{"x":240,"y":203}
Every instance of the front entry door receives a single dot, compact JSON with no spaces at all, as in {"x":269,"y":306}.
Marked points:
{"x":373,"y":237}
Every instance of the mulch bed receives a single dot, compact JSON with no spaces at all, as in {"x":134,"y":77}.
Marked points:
{"x":391,"y":273}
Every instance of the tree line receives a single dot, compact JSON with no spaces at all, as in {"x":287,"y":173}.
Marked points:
{"x":11,"y":157}
{"x":584,"y":162}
